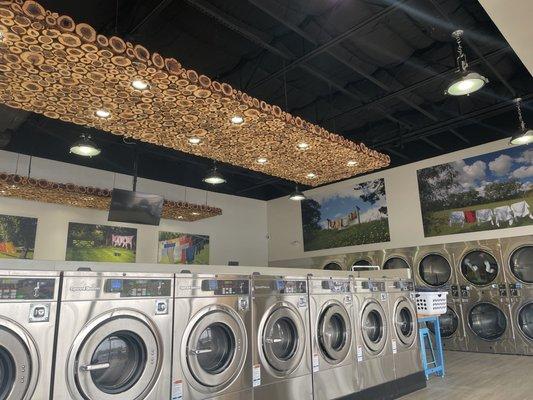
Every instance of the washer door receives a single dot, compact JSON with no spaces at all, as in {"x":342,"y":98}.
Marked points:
{"x":449,"y":322}
{"x":15,"y":366}
{"x":479,"y":267}
{"x":374,"y":327}
{"x":283,"y":339}
{"x":395,"y":263}
{"x":334,"y":333}
{"x":404,"y":321}
{"x":487,"y":321}
{"x":216,"y":348}
{"x":435,"y":270}
{"x":525,"y":320}
{"x":119,"y":358}
{"x":521,"y":264}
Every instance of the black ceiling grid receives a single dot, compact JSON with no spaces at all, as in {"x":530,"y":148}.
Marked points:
{"x":371,"y":70}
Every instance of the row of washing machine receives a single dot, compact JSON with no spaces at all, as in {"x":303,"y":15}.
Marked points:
{"x":103,"y":336}
{"x":489,"y":284}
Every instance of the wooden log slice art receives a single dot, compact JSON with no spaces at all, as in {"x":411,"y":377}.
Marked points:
{"x":56,"y":67}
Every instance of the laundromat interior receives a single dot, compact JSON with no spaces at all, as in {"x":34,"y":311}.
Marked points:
{"x":266,"y":199}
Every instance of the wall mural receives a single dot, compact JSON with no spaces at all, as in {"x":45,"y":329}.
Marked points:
{"x":17,"y":236}
{"x":490,"y":191}
{"x":88,"y":242}
{"x":183,"y":248}
{"x":357,"y":215}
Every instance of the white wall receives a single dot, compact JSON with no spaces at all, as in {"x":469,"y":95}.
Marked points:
{"x":239,"y":234}
{"x":405,"y":218}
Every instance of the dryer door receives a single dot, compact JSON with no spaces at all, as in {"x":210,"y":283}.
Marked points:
{"x":521,"y":264}
{"x":283,"y":339}
{"x":404,"y":322}
{"x":525,"y":320}
{"x":449,"y":322}
{"x":435,"y":270}
{"x":15,"y":366}
{"x":216,"y":347}
{"x":396,"y":263}
{"x":374,"y":327}
{"x":120,"y":357}
{"x":479,"y":267}
{"x":487,"y":321}
{"x":334,"y":332}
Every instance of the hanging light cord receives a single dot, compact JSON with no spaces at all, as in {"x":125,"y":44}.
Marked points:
{"x":520,"y":118}
{"x":462,"y":63}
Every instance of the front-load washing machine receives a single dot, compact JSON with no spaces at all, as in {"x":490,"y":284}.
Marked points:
{"x":374,"y":351}
{"x":281,"y":336}
{"x":114,"y":336}
{"x":404,"y":328}
{"x":398,"y":258}
{"x":212,"y":337}
{"x":332,"y":344}
{"x":28,"y":311}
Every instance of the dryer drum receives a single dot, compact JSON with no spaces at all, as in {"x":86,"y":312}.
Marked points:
{"x":7,"y":376}
{"x":521,"y":264}
{"x":435,"y":270}
{"x":395,"y":263}
{"x":479,"y":267}
{"x":525,"y":320}
{"x":449,"y":322}
{"x":487,"y":321}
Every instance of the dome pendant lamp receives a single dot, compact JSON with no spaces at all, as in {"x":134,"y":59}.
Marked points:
{"x":465,"y":81}
{"x":85,"y":147}
{"x":524,"y":135}
{"x":214,"y":177}
{"x":297,"y":195}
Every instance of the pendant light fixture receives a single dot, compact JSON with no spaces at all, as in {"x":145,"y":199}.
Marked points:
{"x":524,"y":135}
{"x":214,"y":177}
{"x":464,"y":81}
{"x":85,"y":147}
{"x":297,"y":195}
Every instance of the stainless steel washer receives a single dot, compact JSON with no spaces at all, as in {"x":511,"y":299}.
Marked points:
{"x":281,"y":331}
{"x":115,"y":337}
{"x":28,"y":311}
{"x":374,"y":350}
{"x":212,"y":337}
{"x":332,"y":329}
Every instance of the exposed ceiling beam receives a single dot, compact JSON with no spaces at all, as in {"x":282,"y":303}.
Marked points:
{"x":432,"y":144}
{"x":155,"y":11}
{"x":396,"y":153}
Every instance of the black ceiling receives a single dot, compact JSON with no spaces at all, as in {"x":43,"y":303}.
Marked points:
{"x":372,"y":70}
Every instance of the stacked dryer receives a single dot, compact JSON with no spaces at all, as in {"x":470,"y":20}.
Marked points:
{"x":433,"y":270}
{"x":366,"y":259}
{"x":484,"y":296}
{"x":518,"y":266}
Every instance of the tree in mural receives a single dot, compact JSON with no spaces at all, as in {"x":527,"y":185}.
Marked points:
{"x":311,"y":215}
{"x":435,"y":185}
{"x":372,"y":192}
{"x":20,"y":231}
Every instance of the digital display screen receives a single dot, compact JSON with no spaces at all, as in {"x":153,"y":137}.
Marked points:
{"x":226,"y":287}
{"x":26,"y":289}
{"x":135,"y":207}
{"x":139,"y":287}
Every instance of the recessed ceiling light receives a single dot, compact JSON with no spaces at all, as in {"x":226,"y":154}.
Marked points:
{"x":103,"y":113}
{"x":303,"y":146}
{"x":85,"y":147}
{"x":139,"y":84}
{"x":237,"y":120}
{"x":352,"y":163}
{"x":262,"y":160}
{"x":311,"y":175}
{"x":180,"y":216}
{"x":194,"y":140}
{"x":195,"y":213}
{"x":1,"y":36}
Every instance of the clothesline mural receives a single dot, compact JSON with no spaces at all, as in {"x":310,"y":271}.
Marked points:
{"x":490,"y":191}
{"x":17,"y":236}
{"x":183,"y":248}
{"x":356,"y":215}
{"x":103,"y":243}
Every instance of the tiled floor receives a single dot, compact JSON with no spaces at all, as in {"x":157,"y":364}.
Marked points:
{"x":477,"y":376}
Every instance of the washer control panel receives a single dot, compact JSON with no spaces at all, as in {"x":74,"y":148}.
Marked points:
{"x":334,"y":286}
{"x":27,"y":289}
{"x":139,"y":287}
{"x":290,"y":287}
{"x":226,"y":287}
{"x":373,"y":286}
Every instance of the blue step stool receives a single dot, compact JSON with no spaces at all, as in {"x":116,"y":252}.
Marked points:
{"x":434,"y":365}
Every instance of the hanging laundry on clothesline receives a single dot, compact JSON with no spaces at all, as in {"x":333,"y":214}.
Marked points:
{"x":521,"y":209}
{"x":503,"y":214}
{"x":457,"y":217}
{"x":485,"y":215}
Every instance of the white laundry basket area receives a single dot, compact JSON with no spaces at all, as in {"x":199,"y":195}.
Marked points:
{"x":431,"y":303}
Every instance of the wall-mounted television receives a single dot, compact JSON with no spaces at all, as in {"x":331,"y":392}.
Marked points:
{"x":135,"y":207}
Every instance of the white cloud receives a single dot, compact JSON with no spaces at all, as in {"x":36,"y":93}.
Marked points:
{"x":372,"y":214}
{"x":501,"y":165}
{"x":526,"y":186}
{"x":523,"y":172}
{"x":526,"y":157}
{"x":469,"y":174}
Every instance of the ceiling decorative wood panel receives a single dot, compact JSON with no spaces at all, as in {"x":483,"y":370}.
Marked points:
{"x":53,"y":66}
{"x":21,"y":187}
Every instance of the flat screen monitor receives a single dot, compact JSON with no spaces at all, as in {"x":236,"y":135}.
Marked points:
{"x":135,"y":207}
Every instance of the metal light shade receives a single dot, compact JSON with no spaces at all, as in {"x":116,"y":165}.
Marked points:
{"x":214,"y":177}
{"x":297,"y":195}
{"x":522,"y":137}
{"x":85,"y":147}
{"x":466,"y":83}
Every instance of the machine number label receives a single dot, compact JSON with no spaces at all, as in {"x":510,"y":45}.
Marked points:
{"x":394,"y":347}
{"x":256,"y":375}
{"x":177,"y":390}
{"x":302,"y":302}
{"x":316,"y":363}
{"x":359,"y":353}
{"x":383,"y":296}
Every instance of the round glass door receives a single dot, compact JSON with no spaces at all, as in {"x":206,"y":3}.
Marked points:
{"x":373,"y":327}
{"x":479,"y":267}
{"x":525,"y":320}
{"x":362,"y":263}
{"x":283,"y":339}
{"x":449,"y":322}
{"x":334,"y":333}
{"x":395,"y":263}
{"x":521,"y":264}
{"x":487,"y":321}
{"x":7,"y":376}
{"x":333,"y":267}
{"x":404,"y":318}
{"x":17,"y":375}
{"x":435,"y":270}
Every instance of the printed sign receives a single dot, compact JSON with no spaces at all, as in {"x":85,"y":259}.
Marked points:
{"x":256,"y":375}
{"x":316,"y":363}
{"x":177,"y":390}
{"x":359,"y":353}
{"x":394,"y":346}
